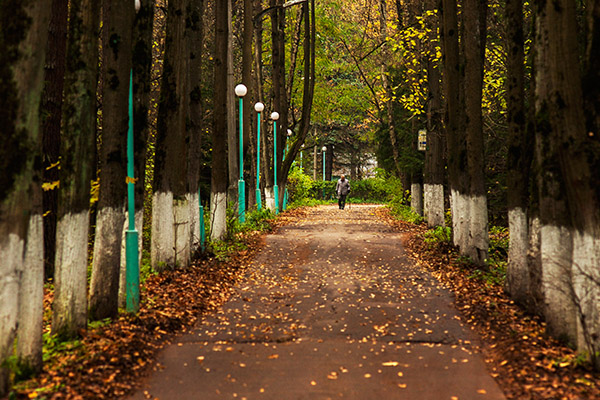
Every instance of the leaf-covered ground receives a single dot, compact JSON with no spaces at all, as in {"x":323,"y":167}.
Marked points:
{"x":111,"y":359}
{"x":523,"y":359}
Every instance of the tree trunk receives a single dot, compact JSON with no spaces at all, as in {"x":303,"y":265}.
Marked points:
{"x":77,"y":169}
{"x":433,"y":187}
{"x":232,"y":119}
{"x":51,"y":110}
{"x":170,"y":205}
{"x":196,"y":42}
{"x":519,"y":157}
{"x":249,"y":101}
{"x":116,"y":66}
{"x":556,"y":245}
{"x":474,"y":17}
{"x":23,"y":37}
{"x":218,"y":200}
{"x":389,"y":103}
{"x":456,"y":150}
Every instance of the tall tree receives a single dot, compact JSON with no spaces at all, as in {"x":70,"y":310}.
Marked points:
{"x":474,"y":20}
{"x":387,"y":87}
{"x":52,"y":111}
{"x":23,"y":36}
{"x":433,"y":188}
{"x":195,"y":17}
{"x":519,"y":155}
{"x":69,"y":314}
{"x":170,"y":204}
{"x":218,"y":199}
{"x":456,"y":148}
{"x":118,"y":17}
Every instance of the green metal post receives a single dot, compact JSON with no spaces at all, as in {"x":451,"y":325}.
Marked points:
{"x":132,"y":273}
{"x":241,"y":183}
{"x":275,"y":187}
{"x":258,"y":202}
{"x":202,"y":230}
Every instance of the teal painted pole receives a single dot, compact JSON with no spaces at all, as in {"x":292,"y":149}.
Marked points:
{"x":275,"y":117}
{"x":202,"y":229}
{"x":324,"y":149}
{"x":240,"y":91}
{"x":132,"y":272}
{"x":258,"y":107}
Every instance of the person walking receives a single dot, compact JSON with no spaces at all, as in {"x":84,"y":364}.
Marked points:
{"x":342,"y":189}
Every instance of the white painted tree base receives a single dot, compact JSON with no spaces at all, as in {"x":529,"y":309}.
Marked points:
{"x":460,"y":214}
{"x":586,"y":277}
{"x":434,"y":205}
{"x":163,"y":232}
{"x":557,"y":284}
{"x":218,"y":215}
{"x":70,"y":275}
{"x":416,"y":198}
{"x":478,"y":239}
{"x":269,"y":198}
{"x":181,"y":211}
{"x":517,"y":271}
{"x":194,"y":221}
{"x":11,"y":254}
{"x":31,"y":297}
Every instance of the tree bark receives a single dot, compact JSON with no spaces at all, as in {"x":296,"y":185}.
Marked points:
{"x":23,"y":37}
{"x":170,"y":205}
{"x":433,"y":187}
{"x":389,"y":102}
{"x":196,"y":42}
{"x":249,"y":123}
{"x":218,"y":201}
{"x":51,"y":110}
{"x":456,"y":148}
{"x":474,"y":17}
{"x":118,"y":19}
{"x":519,"y":157}
{"x":77,"y":169}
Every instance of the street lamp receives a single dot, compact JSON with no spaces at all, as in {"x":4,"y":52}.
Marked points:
{"x":132,"y":255}
{"x":289,"y":135}
{"x":240,"y":91}
{"x":324,"y":149}
{"x":301,"y":164}
{"x":275,"y":117}
{"x":258,"y":107}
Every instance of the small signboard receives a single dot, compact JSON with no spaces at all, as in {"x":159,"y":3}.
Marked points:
{"x":422,"y":145}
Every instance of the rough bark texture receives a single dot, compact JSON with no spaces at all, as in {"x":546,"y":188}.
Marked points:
{"x":456,"y":150}
{"x":170,"y":176}
{"x":519,"y":156}
{"x":118,"y":19}
{"x":434,"y":157}
{"x":474,"y":16}
{"x":389,"y":103}
{"x":556,"y":234}
{"x":195,"y":26}
{"x":51,"y":111}
{"x":23,"y":35}
{"x":219,"y":135}
{"x":77,"y":168}
{"x":232,"y":120}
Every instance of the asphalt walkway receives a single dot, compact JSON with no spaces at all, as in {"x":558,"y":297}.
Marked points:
{"x":331,"y":308}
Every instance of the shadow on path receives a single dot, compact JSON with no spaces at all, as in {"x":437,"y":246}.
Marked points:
{"x":331,"y":308}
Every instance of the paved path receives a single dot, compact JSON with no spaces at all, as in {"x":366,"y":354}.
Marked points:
{"x":331,"y":309}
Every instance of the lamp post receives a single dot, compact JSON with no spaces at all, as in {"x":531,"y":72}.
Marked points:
{"x":285,"y":194}
{"x":301,"y":163}
{"x":275,"y":117}
{"x":324,"y":149}
{"x":258,"y":107}
{"x":132,"y":259}
{"x":240,"y":91}
{"x":289,"y":135}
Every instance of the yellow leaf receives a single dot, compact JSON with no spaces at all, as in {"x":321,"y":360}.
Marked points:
{"x":390,"y":364}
